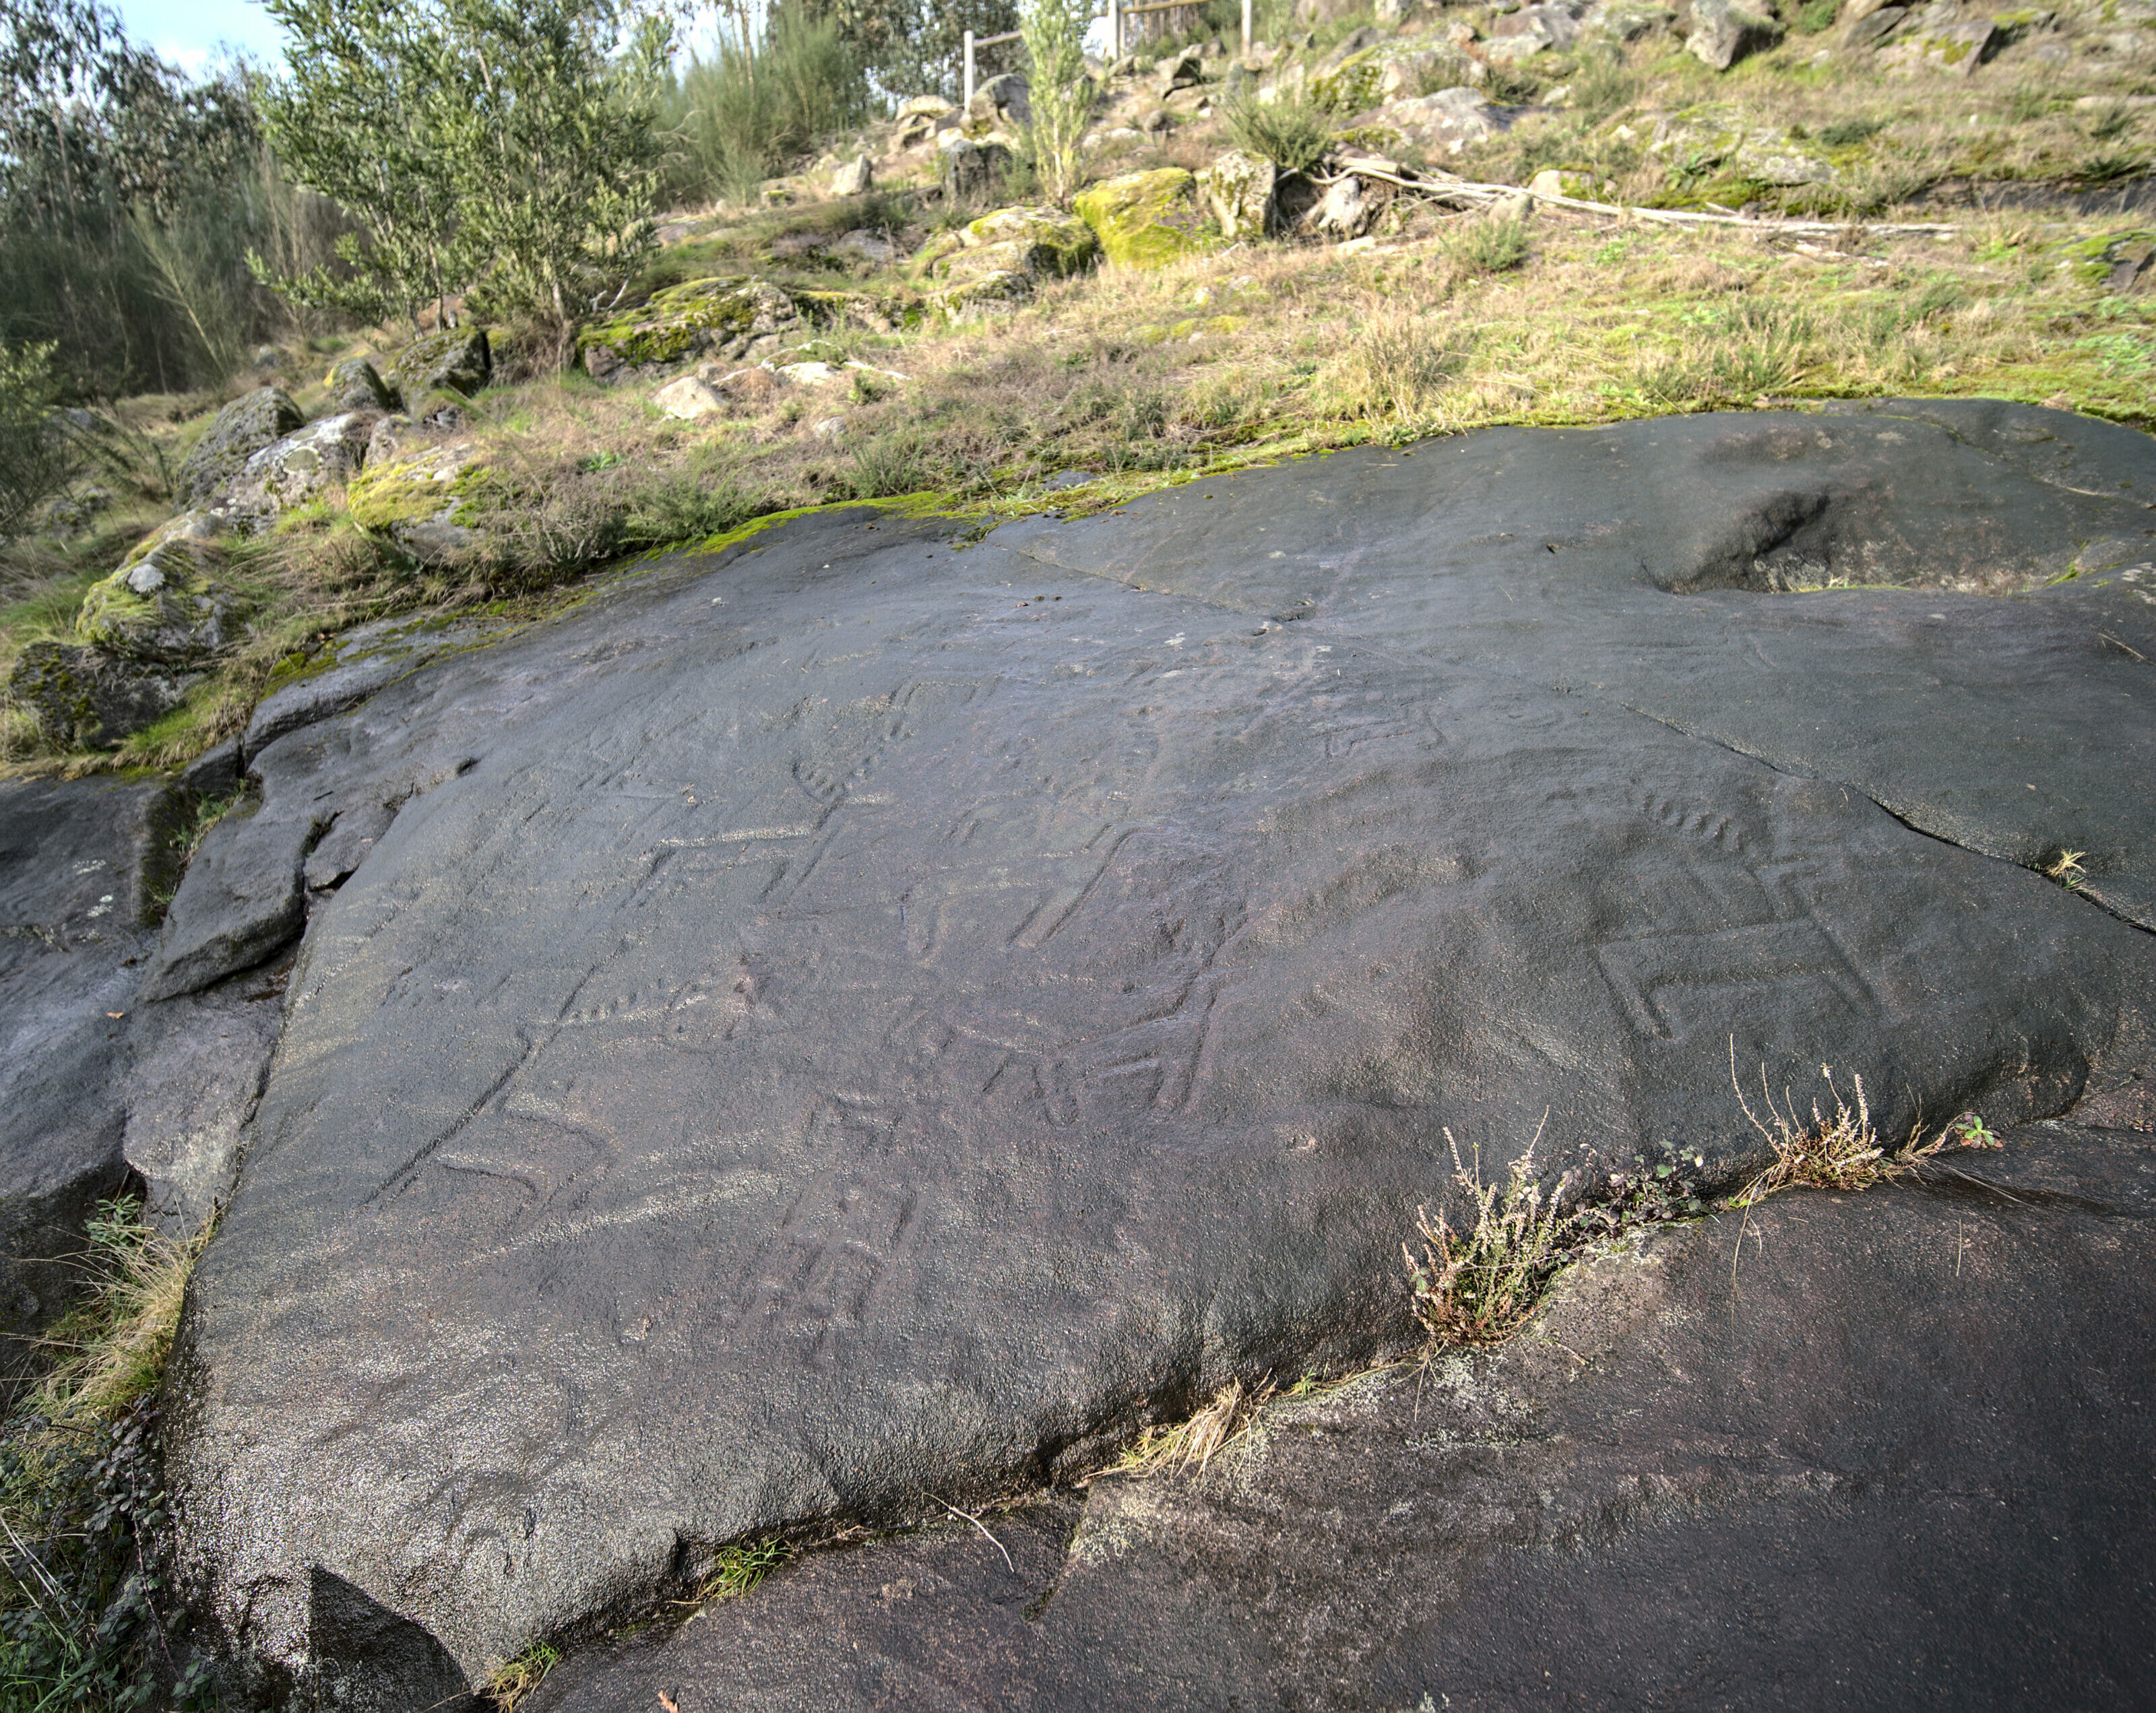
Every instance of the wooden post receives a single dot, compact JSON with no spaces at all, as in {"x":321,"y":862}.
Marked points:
{"x":966,"y":105}
{"x":1246,"y":28}
{"x":1115,"y":31}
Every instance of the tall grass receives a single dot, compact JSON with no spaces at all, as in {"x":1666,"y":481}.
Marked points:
{"x":764,"y":100}
{"x":137,"y":276}
{"x":82,"y":1510}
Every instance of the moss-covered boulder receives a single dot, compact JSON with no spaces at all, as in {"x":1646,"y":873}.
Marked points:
{"x":426,"y":503}
{"x":355,"y":384}
{"x":721,"y":319}
{"x":457,"y":359}
{"x":1718,"y":144}
{"x":85,"y":697}
{"x":1055,"y":245}
{"x":240,"y":431}
{"x":984,"y":288}
{"x":163,"y":605}
{"x":1405,"y":67}
{"x":1955,"y":45}
{"x":1570,"y":182}
{"x":291,"y":471}
{"x":1239,"y":189}
{"x":879,"y":311}
{"x":1146,"y":220}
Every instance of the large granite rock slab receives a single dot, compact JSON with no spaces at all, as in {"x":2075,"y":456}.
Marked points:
{"x":81,"y":866}
{"x":849,"y":1024}
{"x":1875,"y":1452}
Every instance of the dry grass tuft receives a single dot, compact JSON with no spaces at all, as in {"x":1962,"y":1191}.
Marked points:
{"x":1840,"y":1152}
{"x":109,"y":1350}
{"x":516,"y":1680}
{"x":1171,"y":1450}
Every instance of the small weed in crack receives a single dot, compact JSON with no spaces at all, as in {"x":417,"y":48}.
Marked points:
{"x":1477,"y":1285}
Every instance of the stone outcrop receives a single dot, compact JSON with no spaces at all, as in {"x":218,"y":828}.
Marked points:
{"x":354,"y":384}
{"x":235,"y":434}
{"x":1000,"y":256}
{"x":1723,"y":32}
{"x":1238,"y":189}
{"x":426,"y":501}
{"x":456,"y":360}
{"x":724,"y":318}
{"x":84,"y":697}
{"x":1145,"y":219}
{"x":301,"y":467}
{"x":163,"y":605}
{"x":1771,"y":1449}
{"x":742,"y":1073}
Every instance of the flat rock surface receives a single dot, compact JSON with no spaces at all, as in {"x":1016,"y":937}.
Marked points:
{"x":848,"y":1025}
{"x":78,"y":865}
{"x":1890,"y":1450}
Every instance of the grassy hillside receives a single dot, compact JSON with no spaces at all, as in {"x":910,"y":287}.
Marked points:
{"x":1426,"y":312}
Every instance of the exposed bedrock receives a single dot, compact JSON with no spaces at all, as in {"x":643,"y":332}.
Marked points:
{"x":1894,"y":1453}
{"x":851,"y":1024}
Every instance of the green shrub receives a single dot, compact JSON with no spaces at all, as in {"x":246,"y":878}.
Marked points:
{"x":1295,"y":135}
{"x":37,"y":454}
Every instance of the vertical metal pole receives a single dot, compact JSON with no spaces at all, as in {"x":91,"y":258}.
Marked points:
{"x":968,"y":103}
{"x":1246,"y":28}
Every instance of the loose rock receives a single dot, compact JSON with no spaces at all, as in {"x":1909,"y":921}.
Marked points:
{"x":457,"y":360}
{"x":235,"y":434}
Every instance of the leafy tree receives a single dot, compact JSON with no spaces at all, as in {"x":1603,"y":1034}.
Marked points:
{"x":37,"y":456}
{"x":507,"y":149}
{"x":556,"y":157}
{"x":362,"y":118}
{"x":913,"y":47}
{"x":109,"y":160}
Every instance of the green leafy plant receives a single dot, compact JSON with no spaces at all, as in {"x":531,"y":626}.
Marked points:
{"x":513,"y":148}
{"x":739,"y":1568}
{"x":1489,"y":245}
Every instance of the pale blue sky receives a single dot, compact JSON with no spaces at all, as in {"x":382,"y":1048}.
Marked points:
{"x":189,"y":33}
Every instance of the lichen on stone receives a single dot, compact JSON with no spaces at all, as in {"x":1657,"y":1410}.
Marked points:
{"x":1146,"y":220}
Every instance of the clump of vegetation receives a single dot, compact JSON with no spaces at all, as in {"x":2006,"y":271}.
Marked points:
{"x":1475,"y":1284}
{"x":773,"y":89}
{"x":82,"y":1508}
{"x":516,"y":1681}
{"x":1296,"y":135}
{"x":1490,"y":245}
{"x":1058,"y":92}
{"x":37,"y":456}
{"x":1173,"y":1448}
{"x":510,"y":151}
{"x":738,"y":1569}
